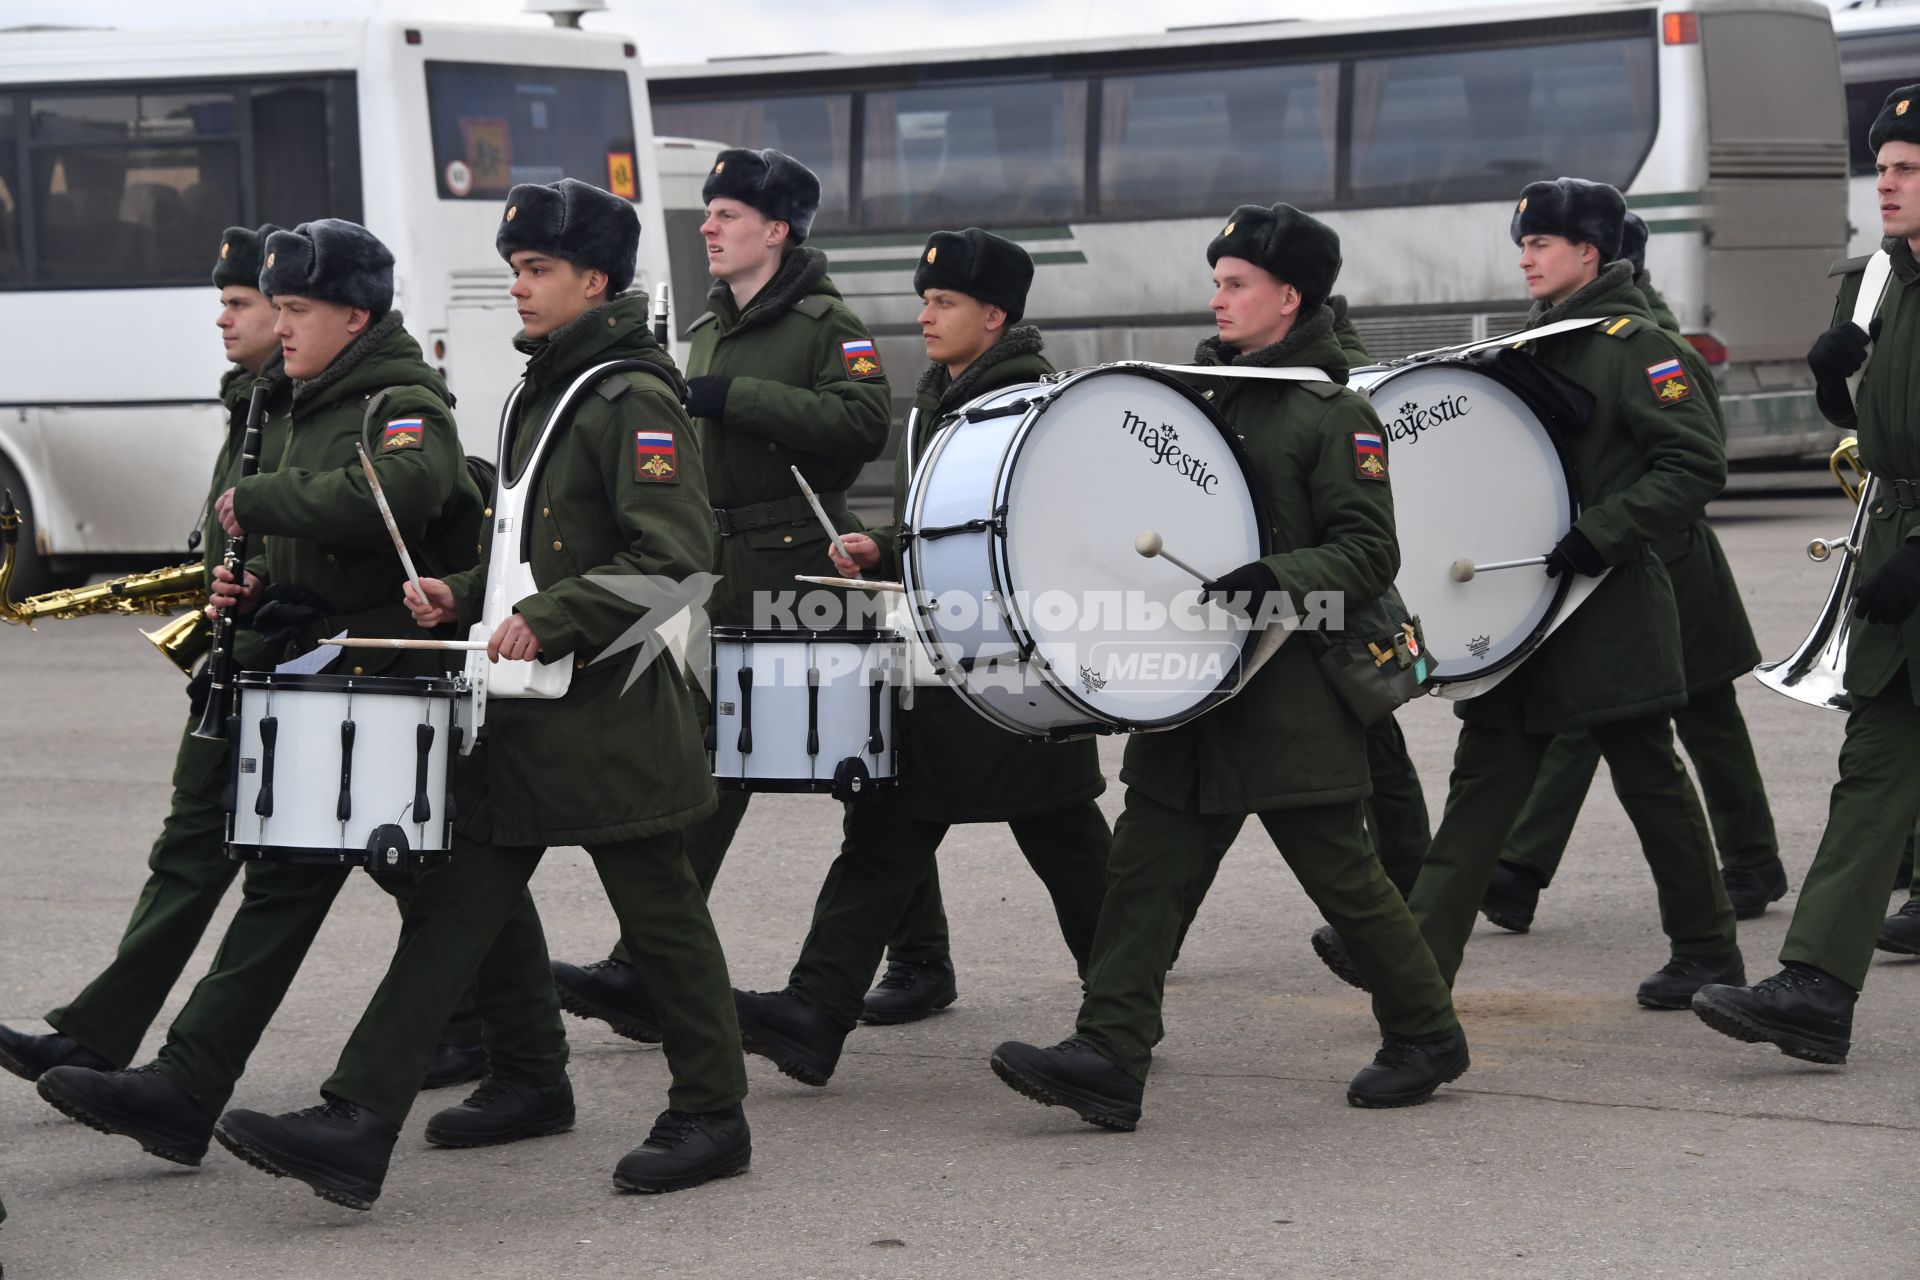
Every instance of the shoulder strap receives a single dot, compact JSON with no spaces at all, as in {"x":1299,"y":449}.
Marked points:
{"x":1866,"y":305}
{"x":1847,"y":266}
{"x":706,"y":318}
{"x":1291,"y":373}
{"x":1620,"y":326}
{"x":814,"y":306}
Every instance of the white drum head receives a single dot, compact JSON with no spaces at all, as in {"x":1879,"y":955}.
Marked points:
{"x":1476,"y":477}
{"x":1114,"y":453}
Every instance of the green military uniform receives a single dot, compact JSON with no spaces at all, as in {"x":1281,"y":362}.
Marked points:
{"x":1717,"y":648}
{"x":188,"y":869}
{"x":1285,"y":748}
{"x":1874,"y":804}
{"x":612,"y":765}
{"x":312,"y":516}
{"x":1646,"y":464}
{"x":960,"y":768}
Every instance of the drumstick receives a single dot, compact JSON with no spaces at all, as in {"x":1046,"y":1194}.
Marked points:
{"x":860,"y":584}
{"x":818,"y":510}
{"x":1463,"y":570}
{"x":384,"y":642}
{"x":1149,"y":544}
{"x":386,"y":514}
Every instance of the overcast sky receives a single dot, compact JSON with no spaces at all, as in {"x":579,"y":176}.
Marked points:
{"x":693,"y":30}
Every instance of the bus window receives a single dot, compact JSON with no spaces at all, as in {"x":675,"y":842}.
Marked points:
{"x":494,"y":126}
{"x":814,"y":129}
{"x":1460,"y":125}
{"x":1874,"y":66}
{"x":11,"y":266}
{"x":301,"y":155}
{"x":131,"y":188}
{"x":998,"y":154}
{"x":1184,"y":142}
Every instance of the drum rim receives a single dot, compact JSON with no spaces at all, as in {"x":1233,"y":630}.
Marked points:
{"x":1563,"y":582}
{"x":797,"y":635}
{"x":451,"y":687}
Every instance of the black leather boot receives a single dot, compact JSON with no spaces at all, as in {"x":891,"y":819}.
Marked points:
{"x":1075,"y":1075}
{"x":141,"y":1104}
{"x":27,"y":1056}
{"x":1672,"y":985}
{"x":685,"y":1149}
{"x":1750,"y":889}
{"x":1512,"y":896}
{"x":610,"y":991}
{"x":1900,"y":932}
{"x":503,"y":1110}
{"x":787,"y":1031}
{"x":910,"y":990}
{"x":1406,"y":1072}
{"x":1333,"y":954}
{"x":1805,"y":1012}
{"x":339,"y":1149}
{"x":455,"y":1064}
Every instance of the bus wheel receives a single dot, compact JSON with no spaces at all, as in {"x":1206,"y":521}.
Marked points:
{"x":31,"y":572}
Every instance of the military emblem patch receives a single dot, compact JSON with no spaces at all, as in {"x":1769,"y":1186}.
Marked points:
{"x":654,"y":459}
{"x":1369,"y":456}
{"x":1669,"y":382}
{"x":403,"y":433}
{"x":861,"y":358}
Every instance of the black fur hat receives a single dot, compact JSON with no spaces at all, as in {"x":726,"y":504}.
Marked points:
{"x":333,"y":260}
{"x":575,"y":221}
{"x":1584,"y":212}
{"x":771,"y":181}
{"x":1633,"y":241}
{"x":984,"y":266}
{"x":242,"y":249}
{"x":1899,"y":119}
{"x":1287,"y":244}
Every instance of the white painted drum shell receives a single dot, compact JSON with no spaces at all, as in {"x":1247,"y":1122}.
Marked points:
{"x":778,"y":662}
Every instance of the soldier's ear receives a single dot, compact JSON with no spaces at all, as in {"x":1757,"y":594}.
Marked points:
{"x":596,"y":283}
{"x":358,"y":318}
{"x":996,"y":318}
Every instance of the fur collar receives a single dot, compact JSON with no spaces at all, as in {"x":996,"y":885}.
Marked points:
{"x":349,"y":359}
{"x":800,"y":274}
{"x":1615,"y":275}
{"x":534,"y":346}
{"x":950,"y":392}
{"x":1317,"y":327}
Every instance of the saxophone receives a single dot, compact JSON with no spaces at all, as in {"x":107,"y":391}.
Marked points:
{"x":182,"y":641}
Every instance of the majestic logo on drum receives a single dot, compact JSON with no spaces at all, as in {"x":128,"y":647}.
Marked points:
{"x":1163,"y":442}
{"x":1412,"y":418}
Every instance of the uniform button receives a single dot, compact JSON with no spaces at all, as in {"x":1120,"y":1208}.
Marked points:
{"x":557,"y":545}
{"x":547,"y":512}
{"x":359,"y":671}
{"x":771,"y":446}
{"x":329,"y":557}
{"x":488,"y":513}
{"x":580,"y":664}
{"x":479,"y":550}
{"x":787,"y":538}
{"x":610,"y":322}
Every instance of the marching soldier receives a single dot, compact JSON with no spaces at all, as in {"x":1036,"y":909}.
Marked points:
{"x":961,"y":768}
{"x":1286,"y":748}
{"x":616,"y":764}
{"x":1717,"y":646}
{"x":1647,"y":462}
{"x":328,"y":566}
{"x":781,"y":374}
{"x":1807,"y":1008}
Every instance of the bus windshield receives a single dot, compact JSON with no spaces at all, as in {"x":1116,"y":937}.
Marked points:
{"x":495,"y":126}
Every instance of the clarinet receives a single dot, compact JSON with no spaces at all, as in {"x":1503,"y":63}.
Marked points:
{"x":217,"y":717}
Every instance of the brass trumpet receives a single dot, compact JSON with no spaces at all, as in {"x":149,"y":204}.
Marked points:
{"x":1815,"y":673}
{"x":183,"y":641}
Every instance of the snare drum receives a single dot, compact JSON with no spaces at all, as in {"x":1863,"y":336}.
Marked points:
{"x":1019,"y":554}
{"x":337,"y":770}
{"x":797,"y":710}
{"x":1476,"y":476}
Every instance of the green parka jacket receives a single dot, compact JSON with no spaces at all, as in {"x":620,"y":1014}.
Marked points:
{"x":619,"y":756}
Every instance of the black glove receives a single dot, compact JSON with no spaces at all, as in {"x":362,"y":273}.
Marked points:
{"x":1891,"y":594}
{"x":1243,"y":590}
{"x":1574,"y":554}
{"x":1838,"y":353}
{"x":286,"y":611}
{"x":707,"y":397}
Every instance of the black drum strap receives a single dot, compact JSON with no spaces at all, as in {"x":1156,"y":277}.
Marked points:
{"x":1563,"y":406}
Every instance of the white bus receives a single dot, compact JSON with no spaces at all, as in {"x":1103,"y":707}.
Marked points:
{"x":1879,"y":52}
{"x":1114,"y":161}
{"x":124,"y":153}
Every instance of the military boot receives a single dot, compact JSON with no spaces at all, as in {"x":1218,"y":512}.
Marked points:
{"x":1075,"y":1075}
{"x":1750,"y":889}
{"x":910,"y":990}
{"x":685,"y":1149}
{"x":1512,"y":896}
{"x":1806,"y":1012}
{"x":1900,"y":932}
{"x":141,"y":1104}
{"x":339,"y":1149}
{"x":455,"y":1064}
{"x":27,"y":1056}
{"x":503,"y":1110}
{"x":611,"y":991}
{"x":1406,"y":1072}
{"x":796,"y":1037}
{"x":1333,"y":954}
{"x":1672,"y":985}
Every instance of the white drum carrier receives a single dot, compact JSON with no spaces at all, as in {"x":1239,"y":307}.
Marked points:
{"x":1020,"y":564}
{"x":341,"y":770}
{"x":797,"y":710}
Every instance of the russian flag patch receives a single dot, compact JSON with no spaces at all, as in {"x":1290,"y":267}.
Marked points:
{"x":654,"y":458}
{"x":862,"y":360}
{"x":404,"y":433}
{"x":1669,"y":382}
{"x":1369,"y":455}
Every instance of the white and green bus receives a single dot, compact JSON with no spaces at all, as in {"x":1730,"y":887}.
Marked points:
{"x":1879,"y":52}
{"x":1114,"y":161}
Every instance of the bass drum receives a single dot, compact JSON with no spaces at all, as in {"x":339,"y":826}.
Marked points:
{"x":1477,"y":476}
